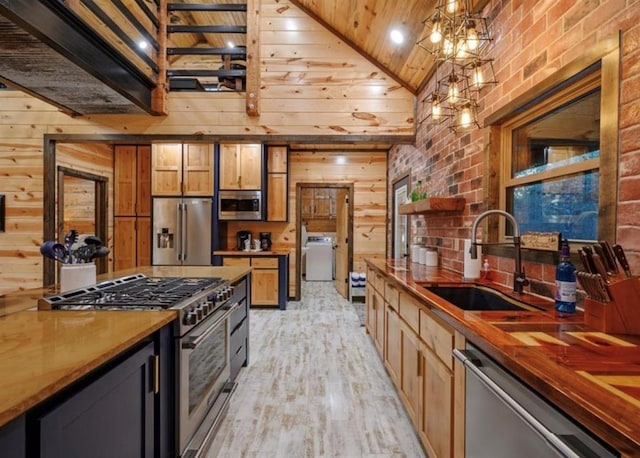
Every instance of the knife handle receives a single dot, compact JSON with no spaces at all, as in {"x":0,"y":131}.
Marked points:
{"x":598,"y":250}
{"x":609,"y":256}
{"x":588,"y":252}
{"x":622,"y":259}
{"x":585,"y":262}
{"x":600,"y":268}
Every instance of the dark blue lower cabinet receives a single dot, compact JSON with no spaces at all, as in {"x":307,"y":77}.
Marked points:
{"x":112,"y":416}
{"x":13,"y":439}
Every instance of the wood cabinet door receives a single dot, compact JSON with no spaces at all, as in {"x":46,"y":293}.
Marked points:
{"x":277,"y":197}
{"x":124,"y":180}
{"x":143,"y":193}
{"x":264,"y":287}
{"x":370,"y":310}
{"x":229,"y":166}
{"x":393,"y":346}
{"x":277,"y":159}
{"x":436,"y":425}
{"x":250,"y":167}
{"x":166,"y":169}
{"x":124,"y":242}
{"x":379,"y":334}
{"x":143,"y":241}
{"x":197,"y":169}
{"x":411,"y":377}
{"x":306,"y":203}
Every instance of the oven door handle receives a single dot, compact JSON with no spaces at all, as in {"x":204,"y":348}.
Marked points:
{"x":192,"y":342}
{"x":466,"y":357}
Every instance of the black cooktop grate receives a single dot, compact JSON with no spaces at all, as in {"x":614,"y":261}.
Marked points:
{"x":146,"y":292}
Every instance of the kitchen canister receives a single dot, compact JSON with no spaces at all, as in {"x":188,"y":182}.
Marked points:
{"x":431,"y":258}
{"x":75,"y":276}
{"x":423,"y":255}
{"x":415,"y":253}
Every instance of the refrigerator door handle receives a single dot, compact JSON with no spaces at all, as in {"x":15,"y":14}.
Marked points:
{"x":180,"y":229}
{"x":185,"y":231}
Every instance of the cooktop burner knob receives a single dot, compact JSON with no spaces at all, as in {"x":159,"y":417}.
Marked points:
{"x":190,"y":318}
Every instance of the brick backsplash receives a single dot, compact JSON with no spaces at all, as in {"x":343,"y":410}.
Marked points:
{"x":532,"y":40}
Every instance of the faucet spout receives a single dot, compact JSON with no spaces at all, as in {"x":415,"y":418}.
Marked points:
{"x":519,"y":278}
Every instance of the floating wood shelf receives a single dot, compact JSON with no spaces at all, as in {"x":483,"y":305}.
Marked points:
{"x":432,"y":205}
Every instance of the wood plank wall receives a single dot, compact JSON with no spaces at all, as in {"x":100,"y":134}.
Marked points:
{"x":312,"y":84}
{"x":95,"y":158}
{"x":366,"y":170}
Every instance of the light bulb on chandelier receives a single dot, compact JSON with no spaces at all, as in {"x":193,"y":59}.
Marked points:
{"x":458,"y":38}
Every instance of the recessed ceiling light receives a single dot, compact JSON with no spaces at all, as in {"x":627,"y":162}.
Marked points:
{"x":396,"y":36}
{"x":142,"y":44}
{"x":230,"y":44}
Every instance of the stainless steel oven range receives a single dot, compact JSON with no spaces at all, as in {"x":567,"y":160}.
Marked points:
{"x":201,"y":341}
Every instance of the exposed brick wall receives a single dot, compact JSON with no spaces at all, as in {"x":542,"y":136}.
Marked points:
{"x":532,"y":40}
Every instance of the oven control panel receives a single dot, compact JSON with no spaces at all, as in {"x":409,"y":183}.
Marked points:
{"x":200,"y":309}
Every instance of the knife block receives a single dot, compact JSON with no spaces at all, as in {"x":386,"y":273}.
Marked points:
{"x":622,"y":314}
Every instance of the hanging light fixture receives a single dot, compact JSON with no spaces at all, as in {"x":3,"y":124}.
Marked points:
{"x":457,"y":38}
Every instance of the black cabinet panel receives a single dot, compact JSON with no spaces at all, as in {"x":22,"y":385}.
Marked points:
{"x":13,"y":439}
{"x":111,"y":417}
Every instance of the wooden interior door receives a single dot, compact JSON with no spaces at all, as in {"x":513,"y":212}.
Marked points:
{"x":342,"y":241}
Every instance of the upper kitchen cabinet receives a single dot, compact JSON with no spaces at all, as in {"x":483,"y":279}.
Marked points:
{"x":182,"y":169}
{"x":132,"y":177}
{"x":240,"y":166}
{"x":277,"y":202}
{"x":318,"y":203}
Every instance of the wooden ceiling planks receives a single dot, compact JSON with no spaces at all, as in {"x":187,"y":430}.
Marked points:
{"x":366,"y":24}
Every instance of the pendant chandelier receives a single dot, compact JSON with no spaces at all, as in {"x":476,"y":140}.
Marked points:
{"x":457,"y":38}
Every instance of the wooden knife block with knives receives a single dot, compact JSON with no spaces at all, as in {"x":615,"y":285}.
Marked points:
{"x":619,"y":312}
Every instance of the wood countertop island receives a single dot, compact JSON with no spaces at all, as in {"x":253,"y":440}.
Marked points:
{"x":592,"y":376}
{"x":42,"y":352}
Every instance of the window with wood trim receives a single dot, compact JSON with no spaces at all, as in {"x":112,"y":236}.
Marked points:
{"x":558,"y":157}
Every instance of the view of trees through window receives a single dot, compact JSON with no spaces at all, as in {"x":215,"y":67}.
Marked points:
{"x":553,"y":172}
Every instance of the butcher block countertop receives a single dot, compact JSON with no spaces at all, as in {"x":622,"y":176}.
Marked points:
{"x":250,"y":253}
{"x":592,"y":376}
{"x":42,"y":352}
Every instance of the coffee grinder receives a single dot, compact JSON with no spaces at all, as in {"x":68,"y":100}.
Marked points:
{"x":265,"y":241}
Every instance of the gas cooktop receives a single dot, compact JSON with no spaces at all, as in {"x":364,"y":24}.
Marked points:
{"x":136,"y":292}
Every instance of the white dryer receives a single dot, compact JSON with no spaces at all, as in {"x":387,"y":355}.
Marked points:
{"x":320,"y":259}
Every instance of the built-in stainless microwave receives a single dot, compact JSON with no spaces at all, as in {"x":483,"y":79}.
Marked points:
{"x":240,"y":205}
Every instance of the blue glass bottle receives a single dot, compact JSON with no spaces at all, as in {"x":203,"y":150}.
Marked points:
{"x":565,"y":282}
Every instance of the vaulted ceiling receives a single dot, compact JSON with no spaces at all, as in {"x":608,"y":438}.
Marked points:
{"x":363,"y":24}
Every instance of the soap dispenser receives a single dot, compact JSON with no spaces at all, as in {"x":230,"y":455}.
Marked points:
{"x":485,"y":273}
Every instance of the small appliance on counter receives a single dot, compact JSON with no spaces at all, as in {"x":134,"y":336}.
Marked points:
{"x":243,"y":240}
{"x":265,"y":241}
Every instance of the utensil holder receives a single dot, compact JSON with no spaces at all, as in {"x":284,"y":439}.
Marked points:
{"x":619,"y":316}
{"x":75,"y":276}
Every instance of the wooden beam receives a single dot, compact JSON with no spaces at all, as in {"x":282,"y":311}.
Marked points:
{"x":230,"y":7}
{"x":159,"y":93}
{"x":252,"y":84}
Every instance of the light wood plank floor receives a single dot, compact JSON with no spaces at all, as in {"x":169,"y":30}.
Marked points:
{"x":315,"y":387}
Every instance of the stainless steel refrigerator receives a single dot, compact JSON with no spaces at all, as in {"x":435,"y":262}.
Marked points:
{"x":182,"y":231}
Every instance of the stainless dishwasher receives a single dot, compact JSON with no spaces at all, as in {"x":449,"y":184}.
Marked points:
{"x":506,"y":419}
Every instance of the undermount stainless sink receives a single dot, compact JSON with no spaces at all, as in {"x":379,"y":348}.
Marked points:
{"x":480,"y":298}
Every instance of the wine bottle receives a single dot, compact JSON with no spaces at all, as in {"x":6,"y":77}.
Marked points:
{"x":565,"y":282}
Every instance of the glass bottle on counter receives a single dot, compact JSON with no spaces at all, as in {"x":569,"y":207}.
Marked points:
{"x":565,"y":296}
